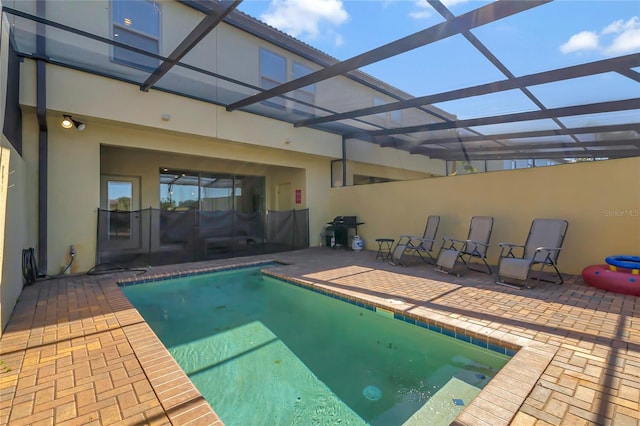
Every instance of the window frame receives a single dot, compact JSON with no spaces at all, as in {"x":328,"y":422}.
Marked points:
{"x":277,"y":102}
{"x":390,"y":118}
{"x":116,"y":27}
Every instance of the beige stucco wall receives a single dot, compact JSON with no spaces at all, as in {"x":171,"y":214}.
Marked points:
{"x":601,"y":201}
{"x":131,"y":118}
{"x":14,"y":234}
{"x":111,"y":100}
{"x":13,"y":227}
{"x":119,"y":114}
{"x":75,"y":165}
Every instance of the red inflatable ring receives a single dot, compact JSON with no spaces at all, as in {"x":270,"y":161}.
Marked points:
{"x":617,"y":280}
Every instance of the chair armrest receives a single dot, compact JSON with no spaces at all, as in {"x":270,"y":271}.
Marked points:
{"x":406,"y":237}
{"x":549,"y":248}
{"x":419,"y":242}
{"x":510,"y":245}
{"x":471,"y":247}
{"x":455,"y":240}
{"x":411,"y":237}
{"x":547,"y":251}
{"x":509,"y":248}
{"x":425,"y":240}
{"x":452,"y":243}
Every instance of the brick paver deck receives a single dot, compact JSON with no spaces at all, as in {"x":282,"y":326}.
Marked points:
{"x":77,"y":353}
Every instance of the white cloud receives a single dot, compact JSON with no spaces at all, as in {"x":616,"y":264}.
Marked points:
{"x":450,"y":3}
{"x":627,"y":42}
{"x":303,"y":18}
{"x":620,"y":26}
{"x":422,"y":10}
{"x":627,"y":37}
{"x":619,"y":37}
{"x":586,"y":40}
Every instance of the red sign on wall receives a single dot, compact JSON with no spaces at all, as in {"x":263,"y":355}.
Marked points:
{"x":298,"y":196}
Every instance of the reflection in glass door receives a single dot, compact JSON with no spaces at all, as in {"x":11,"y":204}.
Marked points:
{"x":121,"y":198}
{"x":119,"y":195}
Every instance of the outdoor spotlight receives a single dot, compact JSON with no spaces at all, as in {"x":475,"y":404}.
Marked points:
{"x":68,"y":122}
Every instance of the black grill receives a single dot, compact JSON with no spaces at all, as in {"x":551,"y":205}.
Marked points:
{"x":341,"y":225}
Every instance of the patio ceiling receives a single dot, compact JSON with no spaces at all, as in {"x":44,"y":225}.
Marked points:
{"x":518,"y":111}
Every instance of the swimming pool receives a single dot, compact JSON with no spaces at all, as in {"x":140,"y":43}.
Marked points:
{"x":263,"y":351}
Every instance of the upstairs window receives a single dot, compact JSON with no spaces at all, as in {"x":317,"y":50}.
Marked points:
{"x":395,"y":118}
{"x":136,"y":23}
{"x":305,"y":94}
{"x":377,"y":101}
{"x":390,"y":118}
{"x":273,"y":72}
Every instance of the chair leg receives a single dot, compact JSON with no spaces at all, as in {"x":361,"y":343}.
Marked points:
{"x":502,"y":282}
{"x":488,"y":271}
{"x":432,"y":261}
{"x":467,"y":263}
{"x":559,"y":281}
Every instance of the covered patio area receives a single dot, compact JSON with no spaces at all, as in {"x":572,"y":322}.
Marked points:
{"x":76,"y":351}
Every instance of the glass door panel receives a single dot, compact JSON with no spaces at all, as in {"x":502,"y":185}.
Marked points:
{"x":120,"y":197}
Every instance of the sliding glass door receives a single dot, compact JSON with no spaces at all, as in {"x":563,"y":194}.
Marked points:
{"x":227,"y":210}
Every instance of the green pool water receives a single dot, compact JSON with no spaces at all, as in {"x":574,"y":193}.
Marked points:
{"x":266,"y":352}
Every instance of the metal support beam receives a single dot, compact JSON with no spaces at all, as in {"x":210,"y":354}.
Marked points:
{"x":532,"y":134}
{"x":475,"y":42}
{"x":620,"y":64}
{"x":557,"y":156}
{"x":221,"y":10}
{"x":632,"y":74}
{"x":43,"y":142}
{"x":570,"y":147}
{"x":481,"y":16}
{"x":344,"y":161}
{"x":601,"y":107}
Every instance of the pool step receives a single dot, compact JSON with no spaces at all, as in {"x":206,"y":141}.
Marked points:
{"x":445,"y":405}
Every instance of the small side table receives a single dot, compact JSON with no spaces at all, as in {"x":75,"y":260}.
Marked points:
{"x":384,"y":248}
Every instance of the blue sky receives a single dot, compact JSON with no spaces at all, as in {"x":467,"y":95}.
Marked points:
{"x":561,"y":33}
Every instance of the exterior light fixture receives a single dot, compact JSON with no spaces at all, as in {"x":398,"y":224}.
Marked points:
{"x":68,"y":122}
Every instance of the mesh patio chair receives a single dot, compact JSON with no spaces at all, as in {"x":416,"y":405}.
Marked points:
{"x":542,"y":247}
{"x":408,"y":244}
{"x":475,"y":246}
